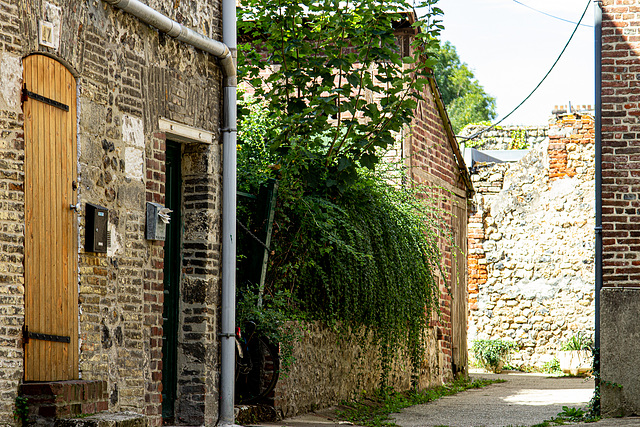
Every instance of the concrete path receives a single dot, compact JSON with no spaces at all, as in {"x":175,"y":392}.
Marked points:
{"x":524,"y":400}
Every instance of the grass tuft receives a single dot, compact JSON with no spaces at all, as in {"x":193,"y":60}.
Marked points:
{"x":373,"y":411}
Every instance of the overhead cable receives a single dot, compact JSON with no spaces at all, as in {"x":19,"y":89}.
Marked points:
{"x":477,"y":134}
{"x":550,"y":15}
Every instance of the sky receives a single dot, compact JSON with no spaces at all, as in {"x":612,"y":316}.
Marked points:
{"x":510,"y":48}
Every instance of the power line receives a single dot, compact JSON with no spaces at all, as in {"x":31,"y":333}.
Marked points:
{"x":550,"y":15}
{"x":477,"y":134}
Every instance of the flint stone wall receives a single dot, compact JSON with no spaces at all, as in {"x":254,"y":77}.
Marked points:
{"x":507,"y":137}
{"x":531,"y":245}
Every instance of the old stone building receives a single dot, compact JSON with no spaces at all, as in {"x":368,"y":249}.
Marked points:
{"x":102,"y":115}
{"x":531,"y":249}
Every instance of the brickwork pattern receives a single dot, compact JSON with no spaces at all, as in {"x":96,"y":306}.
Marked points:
{"x":432,"y":164}
{"x":566,"y":139}
{"x":620,"y":144}
{"x":11,"y":218}
{"x":64,"y":399}
{"x":128,"y":77}
{"x":11,"y":258}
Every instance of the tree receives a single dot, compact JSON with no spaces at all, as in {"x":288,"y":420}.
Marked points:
{"x":337,"y":86}
{"x":331,"y":90}
{"x":464,"y":97}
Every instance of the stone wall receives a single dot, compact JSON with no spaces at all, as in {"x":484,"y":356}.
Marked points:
{"x":128,"y":76}
{"x":506,"y":137}
{"x":620,"y":206}
{"x":330,"y":368}
{"x":531,"y":250}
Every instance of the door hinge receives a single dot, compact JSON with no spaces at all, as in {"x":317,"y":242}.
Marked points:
{"x":27,"y":335}
{"x":27,"y":94}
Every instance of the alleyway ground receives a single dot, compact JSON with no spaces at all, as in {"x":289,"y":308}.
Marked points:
{"x":523,"y":400}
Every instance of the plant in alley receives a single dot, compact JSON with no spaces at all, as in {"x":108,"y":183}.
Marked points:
{"x":492,"y":354}
{"x":374,"y":410}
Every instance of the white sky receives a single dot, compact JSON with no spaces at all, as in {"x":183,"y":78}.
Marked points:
{"x":510,"y":48}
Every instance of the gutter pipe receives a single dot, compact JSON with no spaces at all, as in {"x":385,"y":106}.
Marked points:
{"x":598,"y":171}
{"x":226,"y":52}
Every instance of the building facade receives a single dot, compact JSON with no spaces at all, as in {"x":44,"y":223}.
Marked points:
{"x":105,"y":121}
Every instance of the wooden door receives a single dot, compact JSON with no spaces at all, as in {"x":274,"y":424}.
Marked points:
{"x":51,"y":289}
{"x":459,"y":290}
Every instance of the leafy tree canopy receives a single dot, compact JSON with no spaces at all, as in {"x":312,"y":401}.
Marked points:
{"x":333,"y":79}
{"x":464,"y":97}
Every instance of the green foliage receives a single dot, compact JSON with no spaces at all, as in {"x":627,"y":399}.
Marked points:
{"x":21,"y":410}
{"x":338,"y":87}
{"x":490,"y":353}
{"x":369,"y":259}
{"x":347,"y":249}
{"x":365,"y":259}
{"x":374,"y":410}
{"x":552,"y":367}
{"x":273,"y":319}
{"x":464,"y":97}
{"x":579,"y":341}
{"x":572,"y":414}
{"x":256,"y":162}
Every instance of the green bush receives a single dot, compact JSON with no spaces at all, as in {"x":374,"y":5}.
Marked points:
{"x":491,"y":353}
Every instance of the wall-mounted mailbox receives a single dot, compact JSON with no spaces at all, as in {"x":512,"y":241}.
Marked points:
{"x":96,"y":220}
{"x":157,"y":220}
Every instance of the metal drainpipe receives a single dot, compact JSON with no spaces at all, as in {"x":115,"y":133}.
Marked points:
{"x":598,"y":172}
{"x":227,"y":53}
{"x":227,"y":373}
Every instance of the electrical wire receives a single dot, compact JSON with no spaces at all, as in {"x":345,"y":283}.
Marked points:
{"x":550,"y":15}
{"x":477,"y":134}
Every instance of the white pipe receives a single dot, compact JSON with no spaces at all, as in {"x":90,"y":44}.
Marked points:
{"x":227,"y":53}
{"x":229,"y":162}
{"x":175,"y":29}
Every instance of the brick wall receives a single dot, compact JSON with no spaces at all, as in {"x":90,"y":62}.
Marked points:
{"x":432,"y":163}
{"x":570,"y":135}
{"x":620,"y":147}
{"x":620,"y":296}
{"x":128,"y":76}
{"x":11,"y":212}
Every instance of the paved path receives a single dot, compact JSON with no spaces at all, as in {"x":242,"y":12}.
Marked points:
{"x":524,"y":400}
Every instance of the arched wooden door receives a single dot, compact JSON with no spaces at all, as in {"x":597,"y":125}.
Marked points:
{"x":51,"y":289}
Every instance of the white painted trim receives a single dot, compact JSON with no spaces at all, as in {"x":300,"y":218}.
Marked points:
{"x":183,"y":133}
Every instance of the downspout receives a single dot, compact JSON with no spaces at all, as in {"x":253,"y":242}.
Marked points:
{"x":226,"y":52}
{"x":227,"y":370}
{"x":598,"y":172}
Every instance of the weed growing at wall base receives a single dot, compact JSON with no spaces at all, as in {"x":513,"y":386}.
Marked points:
{"x":374,"y":410}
